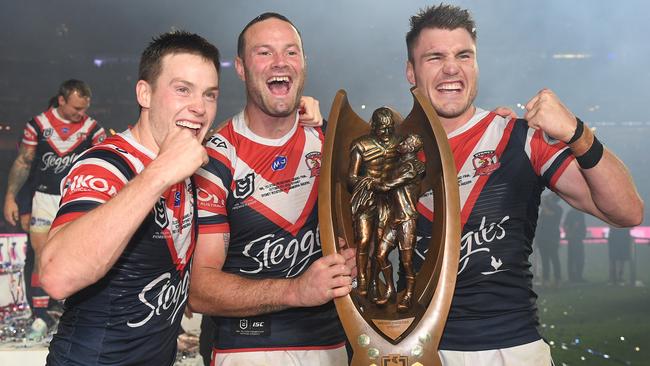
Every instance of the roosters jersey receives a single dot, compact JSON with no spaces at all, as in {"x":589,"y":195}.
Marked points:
{"x":503,"y":167}
{"x":132,"y":315}
{"x":58,"y":143}
{"x":263,"y":192}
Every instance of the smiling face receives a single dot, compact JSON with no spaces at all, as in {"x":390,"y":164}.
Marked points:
{"x":273,"y":67}
{"x":74,"y":107}
{"x":444,"y":66}
{"x":183,"y":96}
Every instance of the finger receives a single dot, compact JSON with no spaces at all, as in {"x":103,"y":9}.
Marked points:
{"x":505,"y":112}
{"x":332,"y":259}
{"x":302,"y":108}
{"x":348,"y":253}
{"x":530,"y":116}
{"x":533,"y":101}
{"x":340,"y":291}
{"x":342,"y":281}
{"x":341,"y":270}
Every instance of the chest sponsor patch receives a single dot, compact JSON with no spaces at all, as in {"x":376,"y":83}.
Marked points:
{"x":259,"y":326}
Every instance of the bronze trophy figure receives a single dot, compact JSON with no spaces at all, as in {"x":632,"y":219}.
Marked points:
{"x":372,"y":157}
{"x":371,"y":178}
{"x":404,"y":192}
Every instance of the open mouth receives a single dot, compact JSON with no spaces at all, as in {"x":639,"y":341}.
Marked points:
{"x":195,"y":127}
{"x":450,"y":87}
{"x":279,"y":85}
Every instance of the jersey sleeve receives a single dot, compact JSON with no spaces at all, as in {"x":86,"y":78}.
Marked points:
{"x":213,"y":186}
{"x":96,"y":177}
{"x":98,"y":134}
{"x":548,"y":156}
{"x":30,"y":134}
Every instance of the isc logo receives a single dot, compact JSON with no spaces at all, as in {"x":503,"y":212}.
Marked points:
{"x":279,"y":163}
{"x":258,"y":324}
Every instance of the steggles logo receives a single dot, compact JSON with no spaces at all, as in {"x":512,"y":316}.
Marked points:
{"x":268,"y":251}
{"x":472,"y":242}
{"x":162,"y":295}
{"x":59,"y":163}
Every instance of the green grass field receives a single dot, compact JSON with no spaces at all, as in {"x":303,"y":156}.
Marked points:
{"x":595,"y":323}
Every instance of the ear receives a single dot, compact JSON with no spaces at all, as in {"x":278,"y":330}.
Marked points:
{"x":61,"y":100}
{"x":410,"y":72}
{"x":143,"y":93}
{"x":239,"y":66}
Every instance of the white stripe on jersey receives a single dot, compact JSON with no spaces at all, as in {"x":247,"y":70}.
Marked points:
{"x":239,"y":126}
{"x":105,"y":165}
{"x":529,"y":138}
{"x":62,"y":146}
{"x":479,"y":114}
{"x":289,"y":205}
{"x":550,"y":162}
{"x":489,"y":141}
{"x":33,"y":131}
{"x":86,"y":199}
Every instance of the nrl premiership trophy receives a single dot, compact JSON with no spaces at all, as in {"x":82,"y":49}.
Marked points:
{"x":371,"y":179}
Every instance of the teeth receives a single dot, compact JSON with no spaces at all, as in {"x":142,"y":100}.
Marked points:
{"x":188,"y":124}
{"x":450,"y":86}
{"x":284,"y":79}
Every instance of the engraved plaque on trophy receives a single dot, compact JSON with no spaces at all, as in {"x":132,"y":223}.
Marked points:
{"x":371,"y":179}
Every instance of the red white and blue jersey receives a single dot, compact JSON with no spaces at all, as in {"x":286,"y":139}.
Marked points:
{"x":263,"y":192}
{"x":132,"y":315}
{"x":58,"y":143}
{"x":503,"y":167}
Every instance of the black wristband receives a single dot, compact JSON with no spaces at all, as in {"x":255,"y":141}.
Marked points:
{"x":580,"y":126}
{"x":589,"y":159}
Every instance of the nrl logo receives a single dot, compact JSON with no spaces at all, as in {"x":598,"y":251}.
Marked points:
{"x":485,"y":162}
{"x":47,"y":133}
{"x":160,"y":213}
{"x":245,"y":187}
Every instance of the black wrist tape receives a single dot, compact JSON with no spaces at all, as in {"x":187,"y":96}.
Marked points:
{"x":580,"y":126}
{"x":589,"y":159}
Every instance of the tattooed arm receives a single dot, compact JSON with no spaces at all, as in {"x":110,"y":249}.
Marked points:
{"x":17,"y":177}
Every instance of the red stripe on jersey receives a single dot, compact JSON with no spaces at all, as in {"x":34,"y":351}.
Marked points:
{"x":266,"y":157}
{"x":537,"y":147}
{"x":463,"y":144}
{"x":424,"y":211}
{"x":560,"y":170}
{"x":482,"y":180}
{"x":30,"y":136}
{"x":211,"y":197}
{"x":281,"y":221}
{"x":214,"y":154}
{"x":60,"y":220}
{"x":214,"y":228}
{"x":541,"y":151}
{"x":120,"y":142}
{"x":169,"y":239}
